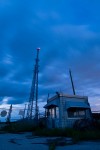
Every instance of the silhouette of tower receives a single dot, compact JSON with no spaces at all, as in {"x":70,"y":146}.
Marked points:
{"x":70,"y":73}
{"x":9,"y":114}
{"x":34,"y":91}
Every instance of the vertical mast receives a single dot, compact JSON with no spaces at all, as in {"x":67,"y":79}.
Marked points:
{"x":9,"y":114}
{"x":24,"y":112}
{"x":72,"y":82}
{"x":34,"y":90}
{"x":37,"y":71}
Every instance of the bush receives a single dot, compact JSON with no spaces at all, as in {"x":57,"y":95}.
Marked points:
{"x":75,"y":134}
{"x":18,"y":127}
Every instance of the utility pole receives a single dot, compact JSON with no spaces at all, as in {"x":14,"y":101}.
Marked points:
{"x":9,"y":114}
{"x":34,"y":90}
{"x":24,"y":111}
{"x":72,"y":82}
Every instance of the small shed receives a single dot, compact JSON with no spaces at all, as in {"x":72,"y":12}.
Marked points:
{"x":63,"y":110}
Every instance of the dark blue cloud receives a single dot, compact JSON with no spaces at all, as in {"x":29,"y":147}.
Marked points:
{"x":69,"y":36}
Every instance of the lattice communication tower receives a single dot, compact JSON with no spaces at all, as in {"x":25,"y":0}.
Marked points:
{"x":33,"y":99}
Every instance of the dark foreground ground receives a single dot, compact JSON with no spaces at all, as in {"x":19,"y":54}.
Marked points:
{"x":26,"y":141}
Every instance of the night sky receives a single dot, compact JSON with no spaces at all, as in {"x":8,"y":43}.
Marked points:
{"x":68,"y":33}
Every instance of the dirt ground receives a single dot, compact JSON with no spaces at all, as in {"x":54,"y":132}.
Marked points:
{"x":26,"y":141}
{"x":90,"y":145}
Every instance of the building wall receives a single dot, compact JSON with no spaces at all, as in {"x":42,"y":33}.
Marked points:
{"x":62,"y":120}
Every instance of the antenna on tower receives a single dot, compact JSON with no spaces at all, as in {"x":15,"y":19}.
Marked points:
{"x":34,"y":91}
{"x":72,"y":82}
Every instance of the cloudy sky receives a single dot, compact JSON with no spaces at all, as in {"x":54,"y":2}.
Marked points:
{"x":68,"y":33}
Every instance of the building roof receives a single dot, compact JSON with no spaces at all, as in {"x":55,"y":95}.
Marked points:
{"x":76,"y":104}
{"x":50,"y":105}
{"x":70,"y":104}
{"x":67,"y":96}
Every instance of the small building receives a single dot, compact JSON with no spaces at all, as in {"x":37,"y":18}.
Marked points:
{"x":63,"y":110}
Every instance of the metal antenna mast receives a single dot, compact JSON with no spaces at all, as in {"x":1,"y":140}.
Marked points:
{"x":9,"y":114}
{"x":72,"y":82}
{"x":34,"y":90}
